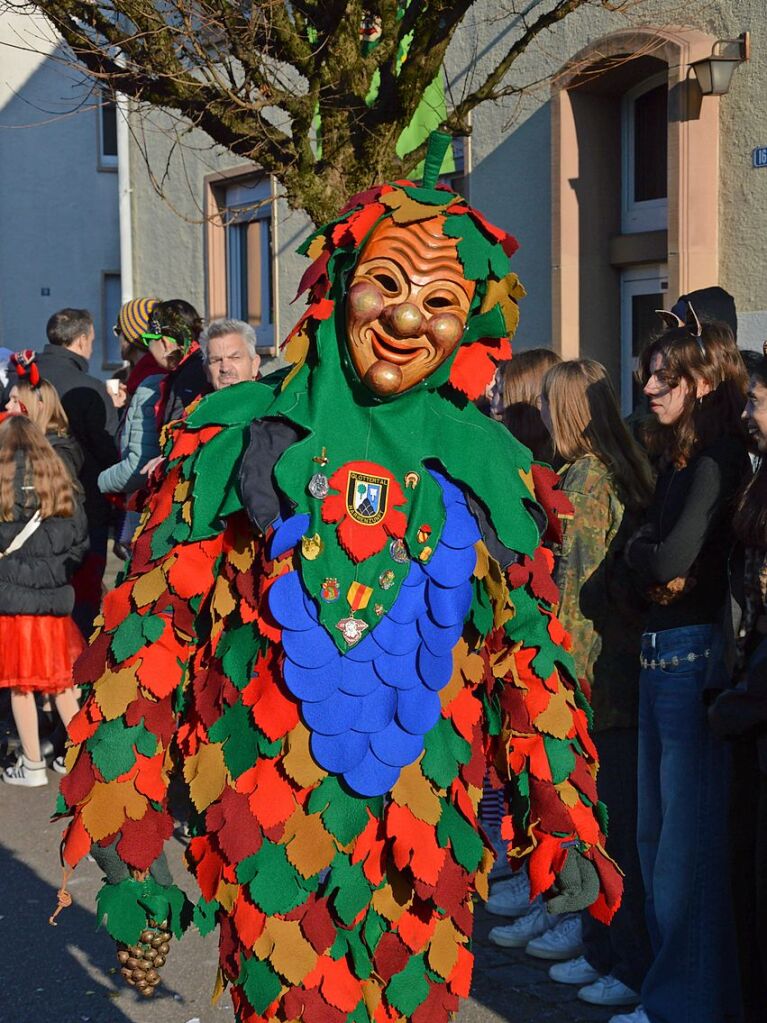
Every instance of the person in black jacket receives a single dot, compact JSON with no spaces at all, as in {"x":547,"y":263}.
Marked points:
{"x":93,"y":420}
{"x":173,"y":340}
{"x":695,"y":383}
{"x":739,"y":713}
{"x":40,"y":403}
{"x":43,"y":537}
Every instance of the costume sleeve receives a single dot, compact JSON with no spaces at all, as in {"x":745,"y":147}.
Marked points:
{"x":137,"y":668}
{"x":538,"y":725}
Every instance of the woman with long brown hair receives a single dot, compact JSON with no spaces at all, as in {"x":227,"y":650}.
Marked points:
{"x":519,"y":384}
{"x":609,"y":482}
{"x":695,"y":384}
{"x":43,"y":537}
{"x":41,"y":404}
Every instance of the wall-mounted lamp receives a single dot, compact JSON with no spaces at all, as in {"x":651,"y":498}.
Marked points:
{"x":715,"y":73}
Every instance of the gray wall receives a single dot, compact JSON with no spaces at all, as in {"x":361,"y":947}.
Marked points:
{"x":58,"y":212}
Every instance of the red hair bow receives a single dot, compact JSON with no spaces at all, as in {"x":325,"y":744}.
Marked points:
{"x":25,"y":364}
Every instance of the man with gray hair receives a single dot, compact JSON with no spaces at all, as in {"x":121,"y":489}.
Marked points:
{"x":230,"y":352}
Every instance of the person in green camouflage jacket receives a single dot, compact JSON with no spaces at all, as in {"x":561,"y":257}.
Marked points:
{"x":608,"y":480}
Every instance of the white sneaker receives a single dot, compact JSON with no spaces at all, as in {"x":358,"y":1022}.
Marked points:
{"x":510,"y":897}
{"x":58,"y":765}
{"x":573,"y":971}
{"x":562,"y":941}
{"x":608,"y":991}
{"x":30,"y":773}
{"x":637,"y":1016}
{"x":518,"y":934}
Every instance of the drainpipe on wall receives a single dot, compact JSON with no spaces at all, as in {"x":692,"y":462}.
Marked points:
{"x":124,"y":200}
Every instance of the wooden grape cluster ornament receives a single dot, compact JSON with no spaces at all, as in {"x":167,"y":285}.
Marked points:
{"x":140,"y":963}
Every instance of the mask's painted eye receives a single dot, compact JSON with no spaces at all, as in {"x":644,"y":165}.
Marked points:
{"x":386,"y":281}
{"x":438,"y":302}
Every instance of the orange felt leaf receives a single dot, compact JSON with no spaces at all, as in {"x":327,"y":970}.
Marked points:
{"x":150,"y":780}
{"x":117,"y":605}
{"x":369,"y":849}
{"x":546,"y":860}
{"x":77,"y":842}
{"x":160,"y":671}
{"x":85,"y":722}
{"x":585,"y":823}
{"x":272,"y":800}
{"x":460,"y":978}
{"x":248,"y":920}
{"x":191,"y":572}
{"x":465,"y":711}
{"x":414,"y":931}
{"x":414,"y":844}
{"x":339,"y":987}
{"x":475,"y":365}
{"x":274,"y":712}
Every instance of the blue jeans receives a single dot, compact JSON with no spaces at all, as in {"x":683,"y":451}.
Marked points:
{"x":682,"y":835}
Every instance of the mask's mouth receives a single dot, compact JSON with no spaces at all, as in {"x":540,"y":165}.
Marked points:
{"x":398,"y":352}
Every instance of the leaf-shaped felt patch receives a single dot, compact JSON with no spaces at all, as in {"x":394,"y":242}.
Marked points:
{"x":443,"y":949}
{"x":205,"y":915}
{"x":415,"y":792}
{"x":115,"y":690}
{"x":118,"y":908}
{"x":239,"y":736}
{"x":108,"y":806}
{"x":128,"y":638}
{"x":205,"y":774}
{"x":298,"y":761}
{"x":259,"y":982}
{"x":343,"y":814}
{"x":557,"y":718}
{"x":408,"y":988}
{"x":350,"y":887}
{"x":275,"y":886}
{"x":292,"y":956}
{"x":148,"y":587}
{"x":309,"y":846}
{"x":444,"y":751}
{"x":112,"y":748}
{"x":561,"y":758}
{"x":454,"y":829}
{"x":238,"y":650}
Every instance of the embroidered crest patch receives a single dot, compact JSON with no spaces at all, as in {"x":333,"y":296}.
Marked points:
{"x":366,"y":497}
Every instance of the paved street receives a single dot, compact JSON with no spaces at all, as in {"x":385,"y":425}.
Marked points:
{"x":66,"y":974}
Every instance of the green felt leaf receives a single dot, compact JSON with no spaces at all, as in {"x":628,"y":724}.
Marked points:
{"x":474,"y":247}
{"x":374,"y":927}
{"x":248,"y":401}
{"x":145,"y":742}
{"x":163,"y":541}
{"x":602,"y":815}
{"x":455,"y":830}
{"x":152,"y":626}
{"x":260,"y":983}
{"x":493,"y":715}
{"x":343,"y":814}
{"x":111,"y":747}
{"x":363,"y":964}
{"x":275,"y":886}
{"x":240,"y":737}
{"x":351,"y":888}
{"x":487,"y":324}
{"x":128,"y":638}
{"x":360,"y":1014}
{"x":119,"y":910}
{"x":561,"y":758}
{"x":408,"y":988}
{"x":215,"y":492}
{"x":428,"y":196}
{"x":238,"y":650}
{"x":481,"y":612}
{"x":61,"y":805}
{"x":444,"y":750}
{"x":205,"y":915}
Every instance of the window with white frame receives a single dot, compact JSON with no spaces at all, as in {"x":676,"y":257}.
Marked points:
{"x":645,"y":156}
{"x":107,"y":133}
{"x":247,"y":217}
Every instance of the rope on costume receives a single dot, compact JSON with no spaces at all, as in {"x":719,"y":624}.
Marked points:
{"x":64,"y":899}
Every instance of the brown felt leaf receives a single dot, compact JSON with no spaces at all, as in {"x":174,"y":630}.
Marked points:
{"x":407,"y":210}
{"x":482,"y":877}
{"x":372,"y":992}
{"x":115,"y":690}
{"x":443,"y":948}
{"x":263,"y":946}
{"x":205,"y":774}
{"x":295,"y":352}
{"x":567,"y":793}
{"x":227,"y":893}
{"x":219,"y":987}
{"x":527,"y":479}
{"x":298,"y":762}
{"x":394,"y":898}
{"x":182,"y":491}
{"x":292,"y":955}
{"x":148,"y":588}
{"x":316,"y":247}
{"x":494,"y":579}
{"x":109,"y":805}
{"x":223,"y":603}
{"x":309,"y":846}
{"x":471,"y":665}
{"x":243,"y":553}
{"x":504,"y":293}
{"x":557,"y":719}
{"x":415,"y":792}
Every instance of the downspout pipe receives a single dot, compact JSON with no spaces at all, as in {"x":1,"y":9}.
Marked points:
{"x":124,"y":199}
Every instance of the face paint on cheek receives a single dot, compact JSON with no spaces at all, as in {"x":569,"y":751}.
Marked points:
{"x":395,"y":338}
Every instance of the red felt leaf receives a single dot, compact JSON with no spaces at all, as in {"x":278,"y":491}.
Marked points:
{"x":465,"y":711}
{"x":272,"y":800}
{"x":546,"y":804}
{"x":391,"y":956}
{"x":452,"y":893}
{"x":157,"y":715}
{"x":417,"y":926}
{"x":554,"y":501}
{"x":583,"y":780}
{"x":91,"y":663}
{"x":209,"y":866}
{"x":159,"y":672}
{"x":316,"y":271}
{"x":475,"y":364}
{"x":229,"y":950}
{"x":248,"y":919}
{"x":352,"y":232}
{"x":191,"y":572}
{"x":460,"y":979}
{"x":370,"y":850}
{"x":76,"y":785}
{"x":274,"y":711}
{"x":318,"y":926}
{"x":317,"y":1010}
{"x":546,"y":860}
{"x":85,"y":722}
{"x":149,"y":780}
{"x":611,"y":884}
{"x":77,"y":842}
{"x":541,"y":582}
{"x":362,"y":540}
{"x":339,"y":986}
{"x":116,"y":606}
{"x":440,"y":1006}
{"x":142,"y":841}
{"x":231,"y":820}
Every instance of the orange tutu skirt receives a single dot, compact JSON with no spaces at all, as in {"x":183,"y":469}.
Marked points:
{"x":37,"y":652}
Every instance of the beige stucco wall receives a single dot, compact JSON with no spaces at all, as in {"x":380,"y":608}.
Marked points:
{"x":510,"y":161}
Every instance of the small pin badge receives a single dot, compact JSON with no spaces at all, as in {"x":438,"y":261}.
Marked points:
{"x":398,"y":552}
{"x":379,"y":609}
{"x":386,"y":579}
{"x":322,"y":458}
{"x":352,"y":629}
{"x":424,"y":532}
{"x":330,"y":590}
{"x":318,"y":486}
{"x":412,"y":479}
{"x":311,"y":546}
{"x":425,"y":554}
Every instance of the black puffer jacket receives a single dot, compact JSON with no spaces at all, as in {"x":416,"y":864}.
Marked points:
{"x":68,"y":450}
{"x":35,"y":579}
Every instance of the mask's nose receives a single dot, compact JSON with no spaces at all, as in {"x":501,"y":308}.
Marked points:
{"x":404,"y":320}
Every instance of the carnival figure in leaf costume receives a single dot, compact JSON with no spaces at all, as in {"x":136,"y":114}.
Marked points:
{"x":337,"y":615}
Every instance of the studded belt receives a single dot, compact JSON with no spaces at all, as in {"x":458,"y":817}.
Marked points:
{"x":671,"y":662}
